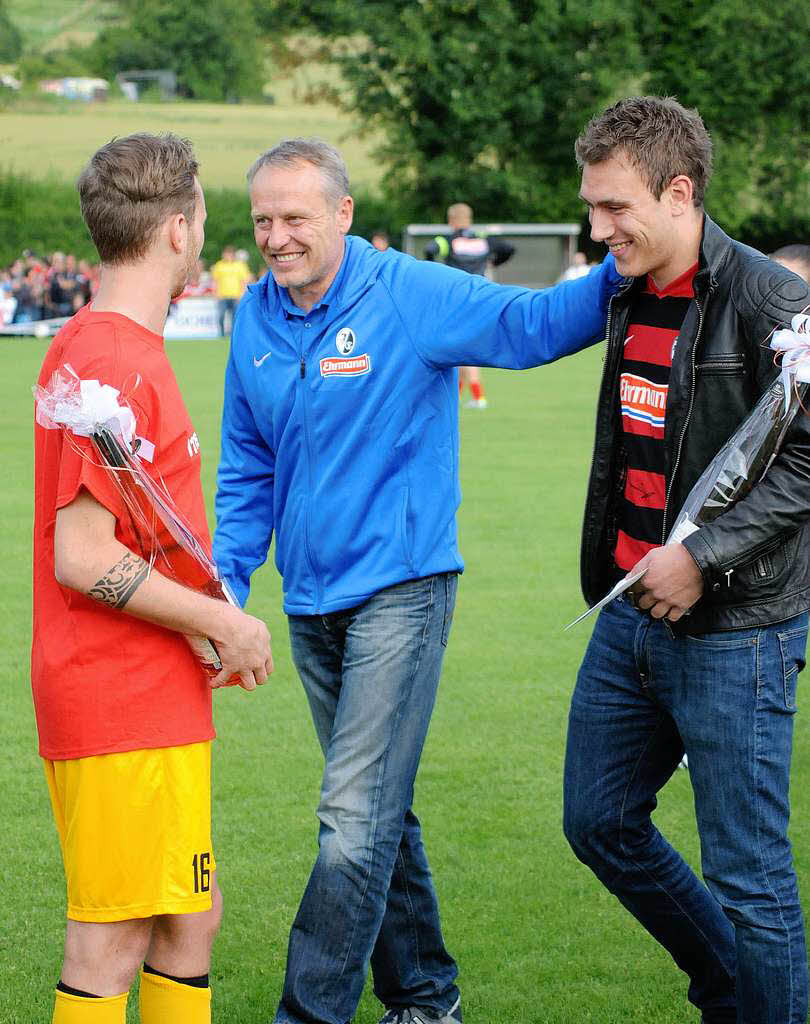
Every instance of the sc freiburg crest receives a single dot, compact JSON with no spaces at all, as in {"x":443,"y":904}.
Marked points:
{"x":345,"y":340}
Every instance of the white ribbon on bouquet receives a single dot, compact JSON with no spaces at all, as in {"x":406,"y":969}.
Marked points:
{"x":794,"y":344}
{"x":84,"y":407}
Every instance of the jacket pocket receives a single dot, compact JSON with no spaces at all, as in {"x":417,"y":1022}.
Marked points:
{"x":770,"y":564}
{"x":733,"y":364}
{"x":403,"y":528}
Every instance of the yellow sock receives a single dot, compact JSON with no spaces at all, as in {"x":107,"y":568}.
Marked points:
{"x":164,"y":1001}
{"x":69,"y":1009}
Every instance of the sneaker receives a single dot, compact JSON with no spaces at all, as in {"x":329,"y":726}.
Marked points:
{"x":475,"y":403}
{"x":415,"y":1015}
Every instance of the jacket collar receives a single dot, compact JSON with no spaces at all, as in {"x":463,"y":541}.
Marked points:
{"x":358,"y":272}
{"x":715,"y":247}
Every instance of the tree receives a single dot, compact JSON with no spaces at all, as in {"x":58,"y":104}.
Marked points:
{"x":483,"y":101}
{"x":278,"y":18}
{"x":72,"y":61}
{"x":741,"y":65}
{"x":10,"y":37}
{"x":213,"y":46}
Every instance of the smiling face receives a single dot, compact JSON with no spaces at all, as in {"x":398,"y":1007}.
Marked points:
{"x":646,"y":235}
{"x":299,"y":230}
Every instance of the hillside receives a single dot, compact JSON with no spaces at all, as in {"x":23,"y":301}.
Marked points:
{"x":49,"y":138}
{"x":44,"y":139}
{"x":46,"y":26}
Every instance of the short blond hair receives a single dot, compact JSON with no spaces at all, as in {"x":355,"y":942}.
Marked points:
{"x":459,"y":212}
{"x":129,"y":188}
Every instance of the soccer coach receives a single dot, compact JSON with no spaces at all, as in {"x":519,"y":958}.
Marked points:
{"x":340,"y":431}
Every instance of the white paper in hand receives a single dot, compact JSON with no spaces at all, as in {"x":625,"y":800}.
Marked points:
{"x":621,"y":586}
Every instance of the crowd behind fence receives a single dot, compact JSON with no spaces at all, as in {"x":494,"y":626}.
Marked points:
{"x":36,"y":288}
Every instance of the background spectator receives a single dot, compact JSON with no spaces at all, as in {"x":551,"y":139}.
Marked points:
{"x":473,"y":252}
{"x":796,"y":258}
{"x":231,"y":276}
{"x":36,"y":289}
{"x":578,"y":268}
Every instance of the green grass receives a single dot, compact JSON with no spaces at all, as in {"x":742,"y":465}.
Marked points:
{"x":537,"y":939}
{"x":43,"y":139}
{"x":49,"y":26}
{"x":46,"y":138}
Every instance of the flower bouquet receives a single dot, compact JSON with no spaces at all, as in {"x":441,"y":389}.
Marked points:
{"x":745,"y":458}
{"x":86,"y":408}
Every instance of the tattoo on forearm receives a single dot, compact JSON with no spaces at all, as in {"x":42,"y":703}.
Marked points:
{"x":121,"y":582}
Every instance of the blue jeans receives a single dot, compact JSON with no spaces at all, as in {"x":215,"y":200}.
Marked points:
{"x":643,"y":696}
{"x":371,"y":675}
{"x":226,"y":310}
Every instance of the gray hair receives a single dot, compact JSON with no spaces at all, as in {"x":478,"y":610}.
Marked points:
{"x":797,"y":254}
{"x":317,"y":152}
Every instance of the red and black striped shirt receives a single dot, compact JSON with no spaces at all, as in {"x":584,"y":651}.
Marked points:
{"x":652,"y":335}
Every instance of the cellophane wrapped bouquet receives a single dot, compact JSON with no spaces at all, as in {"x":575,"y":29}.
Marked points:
{"x":744,"y":459}
{"x":87,"y":408}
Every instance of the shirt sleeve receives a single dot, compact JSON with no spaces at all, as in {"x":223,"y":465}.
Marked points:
{"x":244,"y":501}
{"x":464,"y":319}
{"x":80,"y":466}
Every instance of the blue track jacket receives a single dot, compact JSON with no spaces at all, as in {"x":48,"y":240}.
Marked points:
{"x":340,"y":426}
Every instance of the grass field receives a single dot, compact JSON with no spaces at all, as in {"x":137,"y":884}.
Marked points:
{"x":537,"y":939}
{"x":42,"y":139}
{"x":52,"y":26}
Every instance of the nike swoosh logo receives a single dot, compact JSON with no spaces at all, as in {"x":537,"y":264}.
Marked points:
{"x":258,"y":362}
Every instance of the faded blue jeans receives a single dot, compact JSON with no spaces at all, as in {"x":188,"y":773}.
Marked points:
{"x":643,"y":696}
{"x":371,"y":675}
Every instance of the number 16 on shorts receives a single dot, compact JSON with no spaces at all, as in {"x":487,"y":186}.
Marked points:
{"x":201,"y":865}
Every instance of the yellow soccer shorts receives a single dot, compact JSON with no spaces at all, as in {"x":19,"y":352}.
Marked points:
{"x":135,"y":832}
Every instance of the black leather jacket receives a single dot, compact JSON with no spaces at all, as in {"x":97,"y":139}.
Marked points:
{"x":755,"y":558}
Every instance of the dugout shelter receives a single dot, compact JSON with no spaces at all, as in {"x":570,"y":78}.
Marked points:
{"x":542,"y":251}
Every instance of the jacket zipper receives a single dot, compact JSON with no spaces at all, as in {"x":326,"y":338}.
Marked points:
{"x":601,"y":387}
{"x":721,"y":365}
{"x":685,"y":422}
{"x":302,"y":370}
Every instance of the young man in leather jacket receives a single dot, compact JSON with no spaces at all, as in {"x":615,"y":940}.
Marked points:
{"x":703,"y":655}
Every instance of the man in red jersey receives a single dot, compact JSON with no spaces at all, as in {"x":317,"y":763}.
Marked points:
{"x":123,"y":707}
{"x":703,"y":656}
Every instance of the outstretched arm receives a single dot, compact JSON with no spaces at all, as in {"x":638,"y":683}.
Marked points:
{"x":466,"y":320}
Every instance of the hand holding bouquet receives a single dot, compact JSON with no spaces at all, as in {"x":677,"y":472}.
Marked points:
{"x":744,"y":459}
{"x":86,"y":408}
